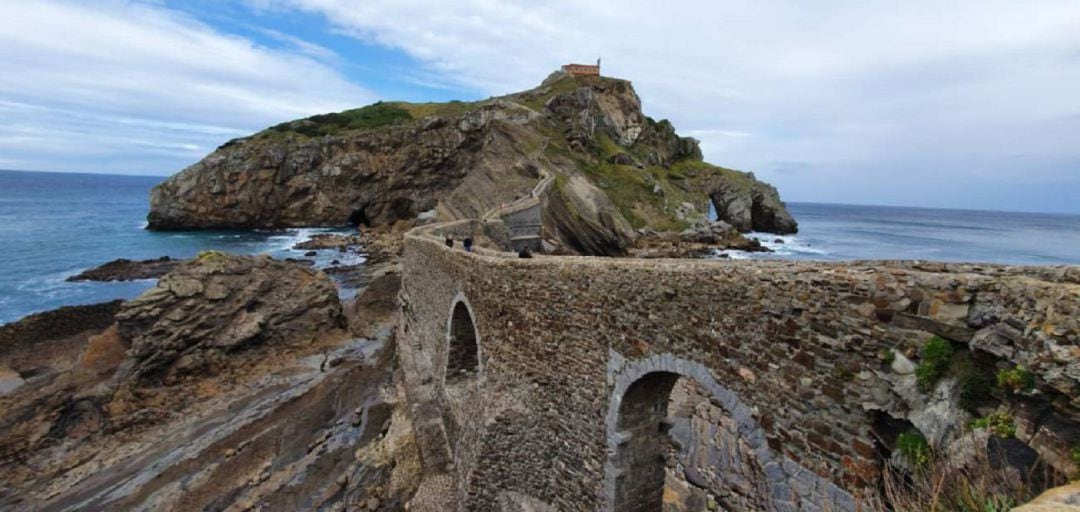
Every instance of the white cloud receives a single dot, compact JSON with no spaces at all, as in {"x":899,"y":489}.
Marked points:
{"x":94,"y":86}
{"x":949,"y":92}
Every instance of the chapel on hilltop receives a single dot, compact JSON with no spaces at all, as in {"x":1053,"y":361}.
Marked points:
{"x":582,"y":69}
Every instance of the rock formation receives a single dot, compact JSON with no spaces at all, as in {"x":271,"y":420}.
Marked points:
{"x":128,"y":270}
{"x":234,"y":384}
{"x":220,"y":303}
{"x":618,"y":169}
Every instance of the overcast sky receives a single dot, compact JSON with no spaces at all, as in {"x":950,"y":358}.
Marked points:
{"x":967,"y":104}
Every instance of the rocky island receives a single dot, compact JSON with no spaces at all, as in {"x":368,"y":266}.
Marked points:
{"x":616,"y":171}
{"x":521,"y":376}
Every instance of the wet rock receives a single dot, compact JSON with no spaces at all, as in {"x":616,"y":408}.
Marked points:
{"x":128,"y":270}
{"x":329,"y":241}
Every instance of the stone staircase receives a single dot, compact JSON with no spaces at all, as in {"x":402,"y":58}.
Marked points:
{"x":523,"y":217}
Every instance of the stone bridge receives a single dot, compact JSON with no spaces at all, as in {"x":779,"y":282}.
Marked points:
{"x":580,"y":383}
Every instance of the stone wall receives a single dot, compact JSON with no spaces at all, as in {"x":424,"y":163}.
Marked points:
{"x":796,"y":356}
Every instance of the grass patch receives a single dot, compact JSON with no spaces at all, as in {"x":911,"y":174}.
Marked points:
{"x":448,"y":109}
{"x":999,"y":423}
{"x":537,"y":100}
{"x":935,"y":354}
{"x":913,"y":446}
{"x":1016,"y":380}
{"x":371,"y":116}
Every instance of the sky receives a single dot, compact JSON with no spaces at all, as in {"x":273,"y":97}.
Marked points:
{"x":956,"y":104}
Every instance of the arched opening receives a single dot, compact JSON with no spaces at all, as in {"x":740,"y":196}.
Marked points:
{"x":677,"y":440}
{"x":463,"y":355}
{"x":642,"y":431}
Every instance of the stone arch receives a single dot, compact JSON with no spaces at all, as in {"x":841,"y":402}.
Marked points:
{"x":637,"y":426}
{"x":462,"y":343}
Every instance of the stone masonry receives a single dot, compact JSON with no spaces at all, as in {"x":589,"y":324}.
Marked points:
{"x":564,"y":406}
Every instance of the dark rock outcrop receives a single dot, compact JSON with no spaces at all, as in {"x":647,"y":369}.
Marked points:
{"x":128,"y":270}
{"x":755,"y":206}
{"x":220,"y":303}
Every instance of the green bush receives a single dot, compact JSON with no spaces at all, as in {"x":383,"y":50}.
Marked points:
{"x":913,"y":446}
{"x":1016,"y":380}
{"x":935,"y":355}
{"x":999,"y":423}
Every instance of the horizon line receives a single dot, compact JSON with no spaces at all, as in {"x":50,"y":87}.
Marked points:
{"x":786,"y":202}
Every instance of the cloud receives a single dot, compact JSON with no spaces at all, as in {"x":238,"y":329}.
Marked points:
{"x":949,"y":92}
{"x":129,"y":86}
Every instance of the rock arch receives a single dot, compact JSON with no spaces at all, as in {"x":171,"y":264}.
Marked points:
{"x":462,"y":343}
{"x":637,"y":426}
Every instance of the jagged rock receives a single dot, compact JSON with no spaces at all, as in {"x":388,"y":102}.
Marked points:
{"x":710,"y":233}
{"x":329,"y":241}
{"x":753,"y":206}
{"x":219,"y":303}
{"x":585,"y":219}
{"x":128,"y":270}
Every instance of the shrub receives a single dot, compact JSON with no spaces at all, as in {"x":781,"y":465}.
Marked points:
{"x":1016,"y":380}
{"x":913,"y":447}
{"x":935,"y":354}
{"x":999,"y":423}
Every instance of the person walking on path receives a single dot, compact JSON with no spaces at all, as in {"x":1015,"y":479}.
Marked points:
{"x":468,"y":244}
{"x":450,"y":241}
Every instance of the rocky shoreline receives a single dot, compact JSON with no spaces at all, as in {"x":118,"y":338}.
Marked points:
{"x":128,"y":270}
{"x":226,"y":356}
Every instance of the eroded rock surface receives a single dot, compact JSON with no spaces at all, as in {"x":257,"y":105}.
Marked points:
{"x":233,"y":385}
{"x":219,"y":303}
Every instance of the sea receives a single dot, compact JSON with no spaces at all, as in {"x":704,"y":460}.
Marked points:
{"x":55,"y":225}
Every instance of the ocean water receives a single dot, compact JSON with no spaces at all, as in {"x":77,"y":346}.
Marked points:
{"x":53,"y":226}
{"x":851,"y":232}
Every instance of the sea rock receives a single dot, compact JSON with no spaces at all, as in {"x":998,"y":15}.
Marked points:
{"x":128,"y":270}
{"x":329,"y":241}
{"x":752,"y":206}
{"x":220,"y":303}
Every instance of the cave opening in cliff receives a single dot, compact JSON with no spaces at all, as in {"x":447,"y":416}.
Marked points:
{"x":359,"y":218}
{"x":642,"y":451}
{"x":463,"y":356}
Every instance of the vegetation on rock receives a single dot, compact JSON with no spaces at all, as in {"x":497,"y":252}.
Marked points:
{"x":999,"y":423}
{"x":1015,"y":380}
{"x":935,"y":354}
{"x":371,"y":116}
{"x":913,"y":447}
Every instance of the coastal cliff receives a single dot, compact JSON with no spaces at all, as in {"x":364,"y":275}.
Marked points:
{"x":389,"y":162}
